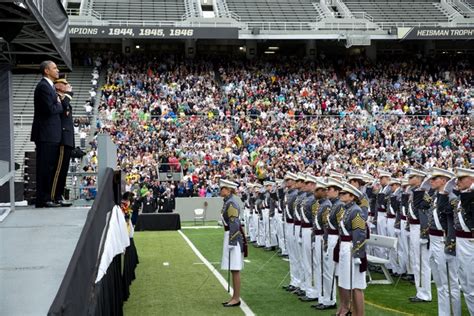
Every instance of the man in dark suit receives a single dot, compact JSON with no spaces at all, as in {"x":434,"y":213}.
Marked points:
{"x":46,"y":132}
{"x":149,"y":204}
{"x":64,"y":90}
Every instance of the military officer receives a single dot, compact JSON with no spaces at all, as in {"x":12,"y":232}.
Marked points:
{"x":419,"y":254}
{"x":352,"y":258}
{"x":307,"y":218}
{"x":290,"y":198}
{"x":233,"y":246}
{"x":443,"y":261}
{"x":464,"y":225}
{"x":331,"y":236}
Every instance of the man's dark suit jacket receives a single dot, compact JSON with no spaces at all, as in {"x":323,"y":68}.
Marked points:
{"x":46,"y":122}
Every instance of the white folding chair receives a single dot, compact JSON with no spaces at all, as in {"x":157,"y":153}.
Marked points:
{"x":386,"y":242}
{"x":199,"y":215}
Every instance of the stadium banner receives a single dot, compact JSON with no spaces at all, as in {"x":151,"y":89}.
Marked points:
{"x":153,"y":32}
{"x":435,"y":33}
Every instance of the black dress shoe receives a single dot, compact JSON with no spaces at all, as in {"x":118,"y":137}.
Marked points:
{"x":308,"y":299}
{"x":291,"y":288}
{"x":231,"y":305}
{"x":416,"y":299}
{"x":51,"y":204}
{"x":39,"y":205}
{"x":324,"y":307}
{"x":300,"y":293}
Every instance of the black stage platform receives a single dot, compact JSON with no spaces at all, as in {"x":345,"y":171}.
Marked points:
{"x":158,"y":221}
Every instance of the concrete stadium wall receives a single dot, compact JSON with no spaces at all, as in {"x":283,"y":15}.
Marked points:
{"x":185,"y":207}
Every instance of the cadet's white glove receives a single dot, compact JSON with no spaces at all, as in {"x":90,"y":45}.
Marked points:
{"x":232,"y":247}
{"x":423,"y":241}
{"x":357,"y":261}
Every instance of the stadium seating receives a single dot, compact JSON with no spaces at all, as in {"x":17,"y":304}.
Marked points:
{"x":141,"y":10}
{"x":392,"y":12}
{"x":277,"y":11}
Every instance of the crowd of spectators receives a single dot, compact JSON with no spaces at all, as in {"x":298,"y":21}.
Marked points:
{"x":257,"y":119}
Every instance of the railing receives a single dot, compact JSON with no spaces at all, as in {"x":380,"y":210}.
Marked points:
{"x":363,"y":15}
{"x":280,"y":26}
{"x":148,"y":23}
{"x":84,"y":12}
{"x":390,"y":25}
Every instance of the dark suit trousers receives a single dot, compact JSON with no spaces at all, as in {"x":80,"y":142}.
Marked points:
{"x":60,"y":172}
{"x":46,"y":157}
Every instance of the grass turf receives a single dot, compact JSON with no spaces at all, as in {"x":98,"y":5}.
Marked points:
{"x":186,"y":288}
{"x":180,"y":288}
{"x":262,"y":291}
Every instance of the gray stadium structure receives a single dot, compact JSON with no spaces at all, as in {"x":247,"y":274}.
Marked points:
{"x":251,"y":26}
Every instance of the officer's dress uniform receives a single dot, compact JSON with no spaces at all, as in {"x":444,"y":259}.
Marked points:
{"x":253,"y":218}
{"x":260,"y":205}
{"x":381,"y":209}
{"x":281,"y":222}
{"x":307,"y":245}
{"x":65,"y":148}
{"x":271,"y":227}
{"x":298,"y":262}
{"x":246,"y":214}
{"x":352,"y":230}
{"x":403,"y":236}
{"x":232,"y":237}
{"x":371,"y":221}
{"x":419,"y":201}
{"x":464,"y":225}
{"x":443,"y":261}
{"x":290,"y":198}
{"x":331,"y":236}
{"x":320,"y":244}
{"x":393,"y":228}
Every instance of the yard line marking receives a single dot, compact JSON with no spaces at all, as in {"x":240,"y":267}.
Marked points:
{"x":166,"y":263}
{"x":246,"y":260}
{"x":247,"y":311}
{"x":388,"y":309}
{"x":199,"y":227}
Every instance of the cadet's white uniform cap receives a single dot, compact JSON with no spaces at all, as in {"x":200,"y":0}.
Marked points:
{"x":464,"y":172}
{"x":227,"y":184}
{"x":352,"y":190}
{"x":437,"y":172}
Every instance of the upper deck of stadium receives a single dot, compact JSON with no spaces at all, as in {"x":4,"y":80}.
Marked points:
{"x":283,"y":16}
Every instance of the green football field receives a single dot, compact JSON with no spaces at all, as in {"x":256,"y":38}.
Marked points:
{"x":172,"y":280}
